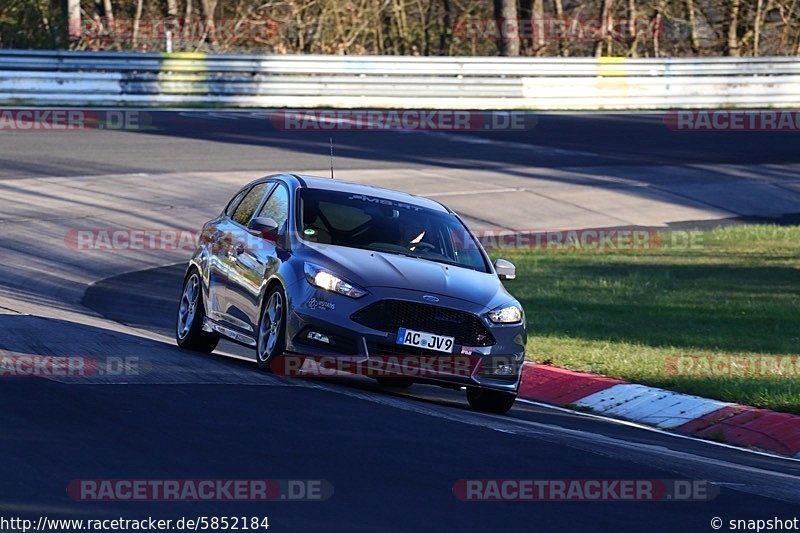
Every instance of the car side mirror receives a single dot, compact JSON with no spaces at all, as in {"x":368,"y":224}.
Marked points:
{"x":505,"y":269}
{"x":264,"y":227}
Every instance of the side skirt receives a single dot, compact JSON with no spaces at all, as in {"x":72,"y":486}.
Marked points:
{"x":231,"y":334}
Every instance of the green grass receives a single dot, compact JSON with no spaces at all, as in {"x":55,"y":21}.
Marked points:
{"x":624,"y":313}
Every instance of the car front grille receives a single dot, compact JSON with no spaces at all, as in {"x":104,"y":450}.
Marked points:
{"x":391,"y":315}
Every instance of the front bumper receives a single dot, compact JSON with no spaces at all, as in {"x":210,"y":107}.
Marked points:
{"x":317,"y":314}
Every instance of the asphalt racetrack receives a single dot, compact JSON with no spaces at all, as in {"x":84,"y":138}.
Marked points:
{"x":392,"y":457}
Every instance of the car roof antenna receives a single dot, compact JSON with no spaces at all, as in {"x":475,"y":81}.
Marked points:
{"x":330,"y":140}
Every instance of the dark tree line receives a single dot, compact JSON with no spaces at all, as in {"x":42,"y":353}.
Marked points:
{"x":632,"y":28}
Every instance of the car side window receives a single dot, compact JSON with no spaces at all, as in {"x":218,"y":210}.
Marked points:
{"x":277,"y":208}
{"x":231,"y":207}
{"x":244,"y":212}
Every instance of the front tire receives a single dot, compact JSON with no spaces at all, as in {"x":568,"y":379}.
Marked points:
{"x":490,"y":401}
{"x":191,"y":311}
{"x":271,"y":341}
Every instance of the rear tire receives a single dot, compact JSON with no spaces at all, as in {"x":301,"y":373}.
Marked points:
{"x":271,"y":340}
{"x":490,"y":401}
{"x":191,"y":312}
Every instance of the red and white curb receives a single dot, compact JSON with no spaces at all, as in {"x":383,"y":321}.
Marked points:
{"x":682,"y":413}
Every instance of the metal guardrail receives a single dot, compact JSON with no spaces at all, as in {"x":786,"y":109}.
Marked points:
{"x":110,"y":78}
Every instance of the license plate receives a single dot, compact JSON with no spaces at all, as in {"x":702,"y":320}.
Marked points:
{"x":429,"y":341}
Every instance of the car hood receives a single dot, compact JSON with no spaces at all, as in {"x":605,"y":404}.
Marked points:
{"x":378,"y":269}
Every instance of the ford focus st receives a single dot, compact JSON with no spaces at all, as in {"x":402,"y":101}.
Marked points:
{"x":336,"y":271}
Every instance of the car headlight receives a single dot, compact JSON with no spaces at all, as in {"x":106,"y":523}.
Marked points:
{"x":506,"y":315}
{"x":325,"y":279}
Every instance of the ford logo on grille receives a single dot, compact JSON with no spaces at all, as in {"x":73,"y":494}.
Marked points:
{"x":429,"y":298}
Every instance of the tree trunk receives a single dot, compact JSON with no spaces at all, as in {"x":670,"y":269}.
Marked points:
{"x":108,"y":11}
{"x":657,"y":25}
{"x":539,"y":41}
{"x":172,"y":9}
{"x":401,"y":24}
{"x":74,"y":19}
{"x":733,"y":23}
{"x":525,"y":12}
{"x":446,"y":35}
{"x":98,"y":17}
{"x":695,"y":39}
{"x":757,"y":27}
{"x":563,"y":46}
{"x":209,"y":6}
{"x":634,"y":35}
{"x":605,"y":10}
{"x":137,"y":17}
{"x":506,"y":10}
{"x":187,"y":21}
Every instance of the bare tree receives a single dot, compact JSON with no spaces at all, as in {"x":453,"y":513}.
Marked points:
{"x":74,"y":19}
{"x":108,"y":11}
{"x":445,"y":36}
{"x":657,"y":25}
{"x":506,"y":13}
{"x":632,"y":29}
{"x":425,"y":27}
{"x":757,"y":26}
{"x":172,"y":8}
{"x":563,"y":46}
{"x":733,"y":23}
{"x":539,"y":25}
{"x":209,"y":7}
{"x":188,"y":13}
{"x":136,"y":19}
{"x":690,"y":15}
{"x":605,"y":12}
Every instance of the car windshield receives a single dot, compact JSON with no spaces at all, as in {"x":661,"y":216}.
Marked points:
{"x":383,"y":225}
